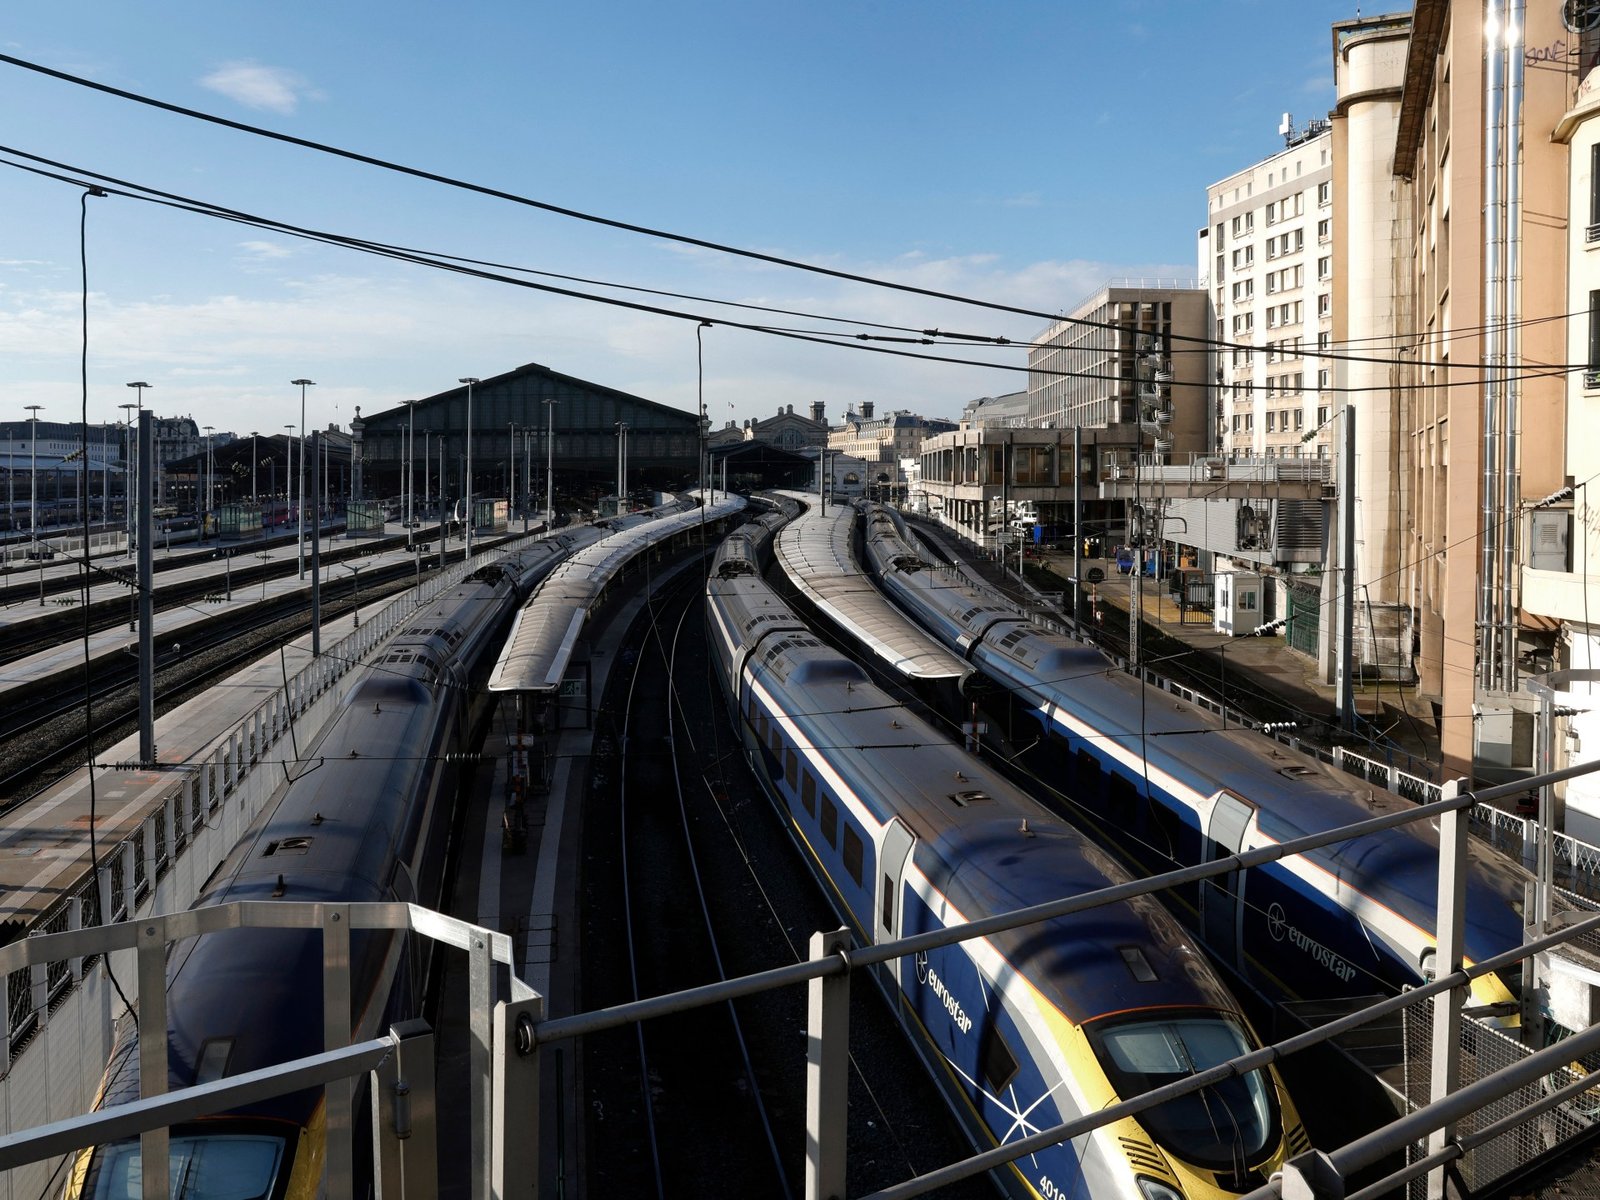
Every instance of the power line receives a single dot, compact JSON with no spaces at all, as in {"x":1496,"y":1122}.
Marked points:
{"x":645,"y":230}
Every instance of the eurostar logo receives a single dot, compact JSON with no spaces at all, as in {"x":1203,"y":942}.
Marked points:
{"x":1276,"y":921}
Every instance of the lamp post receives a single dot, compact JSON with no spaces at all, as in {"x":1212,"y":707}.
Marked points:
{"x":33,"y":481}
{"x":205,"y":508}
{"x":253,"y":436}
{"x":130,"y":479}
{"x":469,"y":380}
{"x":550,"y":466}
{"x":129,"y":466}
{"x":410,"y":464}
{"x":300,"y":526}
{"x":288,"y":465}
{"x":355,"y":570}
{"x":622,"y":463}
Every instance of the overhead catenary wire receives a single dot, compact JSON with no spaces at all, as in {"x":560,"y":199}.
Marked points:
{"x":475,"y":268}
{"x":459,"y":183}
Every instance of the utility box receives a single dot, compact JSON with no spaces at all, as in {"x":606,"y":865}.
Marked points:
{"x":1238,"y":602}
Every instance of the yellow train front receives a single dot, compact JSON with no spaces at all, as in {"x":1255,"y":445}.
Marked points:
{"x":1038,"y":1026}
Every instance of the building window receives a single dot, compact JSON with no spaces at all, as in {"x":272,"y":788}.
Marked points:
{"x":1324,"y":194}
{"x":1325,"y":267}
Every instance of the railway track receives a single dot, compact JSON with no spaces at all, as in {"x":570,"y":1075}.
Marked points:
{"x":45,"y":735}
{"x":65,"y":614}
{"x":712,"y":1102}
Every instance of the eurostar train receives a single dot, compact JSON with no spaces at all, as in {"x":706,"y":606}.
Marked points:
{"x":1170,"y":786}
{"x":1025,"y":1029}
{"x":366,"y":819}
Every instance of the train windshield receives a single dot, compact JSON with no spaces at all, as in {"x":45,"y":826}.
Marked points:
{"x":215,"y":1167}
{"x":1221,"y":1127}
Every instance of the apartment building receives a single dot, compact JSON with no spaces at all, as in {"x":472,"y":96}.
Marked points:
{"x":1266,"y":258}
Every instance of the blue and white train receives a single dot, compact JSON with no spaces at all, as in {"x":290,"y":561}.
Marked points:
{"x":1170,"y":786}
{"x":1025,"y":1029}
{"x":367,"y":820}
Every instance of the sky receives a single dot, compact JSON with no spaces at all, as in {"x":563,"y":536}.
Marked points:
{"x":1021,"y":153}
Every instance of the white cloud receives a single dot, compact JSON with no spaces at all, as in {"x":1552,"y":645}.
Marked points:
{"x":276,"y":89}
{"x":264,"y":250}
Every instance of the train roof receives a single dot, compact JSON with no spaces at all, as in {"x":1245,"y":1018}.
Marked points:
{"x":814,"y":550}
{"x":989,"y":848}
{"x":1293,"y":794}
{"x":542,"y":639}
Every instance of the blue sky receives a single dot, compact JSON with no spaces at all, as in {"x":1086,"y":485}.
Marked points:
{"x":1024,"y":153}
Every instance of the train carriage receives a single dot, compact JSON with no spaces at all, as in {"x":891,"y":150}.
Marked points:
{"x":1024,"y":1029}
{"x":1170,"y":786}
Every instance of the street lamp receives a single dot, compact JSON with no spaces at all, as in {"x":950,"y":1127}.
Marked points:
{"x":253,"y":436}
{"x":469,"y":380}
{"x":205,"y":508}
{"x":550,"y":466}
{"x":300,"y":527}
{"x":129,"y":463}
{"x":410,"y":465}
{"x":355,"y":570}
{"x":131,"y":477}
{"x":33,"y":484}
{"x":288,"y":468}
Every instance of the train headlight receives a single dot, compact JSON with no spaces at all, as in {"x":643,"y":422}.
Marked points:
{"x":1154,"y":1189}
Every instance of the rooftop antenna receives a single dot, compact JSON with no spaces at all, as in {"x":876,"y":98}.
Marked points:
{"x":1286,"y":127}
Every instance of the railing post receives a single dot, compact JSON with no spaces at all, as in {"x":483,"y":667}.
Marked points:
{"x":151,"y":948}
{"x":480,"y":1018}
{"x":514,"y":1142}
{"x":827,"y":1070}
{"x":149,"y":859}
{"x":335,"y":1034}
{"x":405,"y":1116}
{"x":1450,"y":929}
{"x":75,"y":923}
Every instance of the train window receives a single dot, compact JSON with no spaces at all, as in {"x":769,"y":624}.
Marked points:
{"x":852,"y":852}
{"x":996,"y":1059}
{"x":775,"y":738}
{"x":791,"y":769}
{"x":1124,"y":801}
{"x":830,"y":821}
{"x":888,"y":903}
{"x":808,"y":793}
{"x":1088,"y":775}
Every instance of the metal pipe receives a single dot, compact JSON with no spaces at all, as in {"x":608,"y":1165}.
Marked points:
{"x":1493,"y":282}
{"x":1511,"y":388}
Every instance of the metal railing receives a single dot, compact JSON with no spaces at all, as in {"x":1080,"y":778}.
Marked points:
{"x":508,"y":1036}
{"x":406,"y":1048}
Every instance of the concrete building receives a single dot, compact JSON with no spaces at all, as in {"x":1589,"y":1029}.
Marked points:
{"x":1089,"y":370}
{"x":1467,"y":230}
{"x":1266,"y":257}
{"x":1370,"y":304}
{"x":1010,"y":409}
{"x":1559,"y":625}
